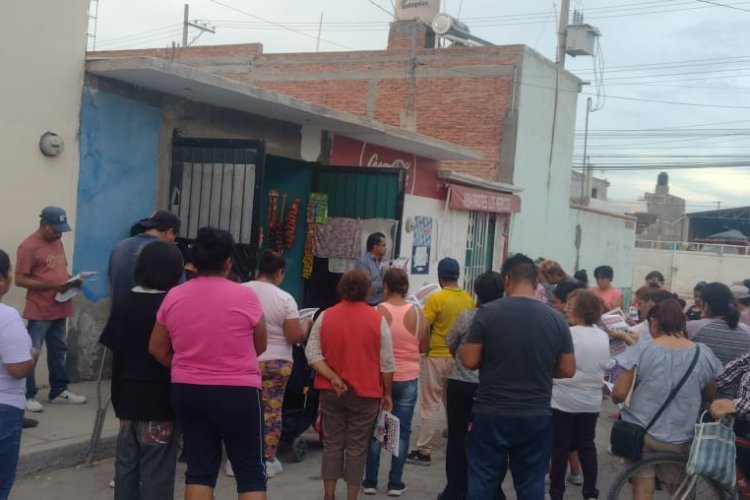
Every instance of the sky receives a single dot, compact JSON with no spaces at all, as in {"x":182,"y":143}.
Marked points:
{"x":675,"y":74}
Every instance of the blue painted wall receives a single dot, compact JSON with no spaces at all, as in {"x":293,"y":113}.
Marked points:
{"x":119,"y":141}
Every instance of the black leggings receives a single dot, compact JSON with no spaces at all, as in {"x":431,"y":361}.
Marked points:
{"x":210,"y":415}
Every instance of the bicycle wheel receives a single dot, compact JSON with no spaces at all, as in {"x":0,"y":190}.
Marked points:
{"x":670,"y":468}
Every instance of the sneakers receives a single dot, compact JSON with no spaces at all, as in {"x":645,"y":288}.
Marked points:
{"x":576,"y":479}
{"x":66,"y":397}
{"x":396,"y":489}
{"x":228,"y":469}
{"x":29,"y":423}
{"x":416,"y":457}
{"x":33,"y":405}
{"x":273,"y":467}
{"x":112,"y":483}
{"x":369,"y":487}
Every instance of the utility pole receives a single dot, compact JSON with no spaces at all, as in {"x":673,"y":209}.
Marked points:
{"x":320,"y":29}
{"x":186,"y":25}
{"x":562,"y":32}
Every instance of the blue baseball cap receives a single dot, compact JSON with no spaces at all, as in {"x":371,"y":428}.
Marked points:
{"x":57,"y":218}
{"x":448,"y":268}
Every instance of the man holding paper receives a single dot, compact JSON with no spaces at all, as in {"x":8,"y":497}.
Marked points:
{"x":42,"y":268}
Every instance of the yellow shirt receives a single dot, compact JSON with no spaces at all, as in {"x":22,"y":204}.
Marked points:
{"x":441,"y":310}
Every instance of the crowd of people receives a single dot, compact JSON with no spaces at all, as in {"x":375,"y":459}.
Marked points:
{"x":201,"y":362}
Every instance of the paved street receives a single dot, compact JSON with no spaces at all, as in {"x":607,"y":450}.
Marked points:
{"x":298,"y":481}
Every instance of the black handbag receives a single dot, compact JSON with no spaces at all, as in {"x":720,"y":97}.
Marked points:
{"x":626,"y":438}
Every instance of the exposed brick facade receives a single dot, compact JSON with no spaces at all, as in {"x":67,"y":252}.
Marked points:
{"x":460,"y":94}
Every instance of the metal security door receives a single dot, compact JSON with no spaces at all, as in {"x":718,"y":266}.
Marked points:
{"x":480,"y":242}
{"x":217,"y":183}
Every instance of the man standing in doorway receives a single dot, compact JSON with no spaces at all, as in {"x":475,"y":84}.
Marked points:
{"x":519,"y":346}
{"x":42,"y":268}
{"x":372,"y":261}
{"x":441,"y":310}
{"x":162,"y":225}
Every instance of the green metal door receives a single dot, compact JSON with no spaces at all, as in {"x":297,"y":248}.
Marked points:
{"x":365,"y":193}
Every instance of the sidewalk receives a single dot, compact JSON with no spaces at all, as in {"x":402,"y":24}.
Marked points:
{"x":64,"y":432}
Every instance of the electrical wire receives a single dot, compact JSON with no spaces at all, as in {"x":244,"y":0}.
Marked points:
{"x":287,"y":28}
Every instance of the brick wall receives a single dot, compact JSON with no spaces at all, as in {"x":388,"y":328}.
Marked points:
{"x":462,"y":94}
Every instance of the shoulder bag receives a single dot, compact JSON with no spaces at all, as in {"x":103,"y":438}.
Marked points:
{"x":626,"y":438}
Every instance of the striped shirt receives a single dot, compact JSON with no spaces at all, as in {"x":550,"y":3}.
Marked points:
{"x":726,"y":343}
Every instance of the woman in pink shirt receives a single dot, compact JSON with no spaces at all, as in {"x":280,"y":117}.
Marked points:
{"x":611,"y":296}
{"x":210,"y":331}
{"x":409,"y":331}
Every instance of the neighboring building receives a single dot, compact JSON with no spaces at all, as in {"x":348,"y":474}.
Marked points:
{"x":665,"y":216}
{"x":40,"y":91}
{"x":598,"y":192}
{"x":42,"y":48}
{"x":702,"y":225}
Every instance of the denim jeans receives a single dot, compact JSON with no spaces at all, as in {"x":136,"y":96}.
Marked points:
{"x":11,"y":422}
{"x":145,"y":460}
{"x":53,"y":333}
{"x":494,"y":441}
{"x":404,"y":397}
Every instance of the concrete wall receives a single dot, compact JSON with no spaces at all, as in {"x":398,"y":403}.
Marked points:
{"x":541,"y":228}
{"x":605,"y":240}
{"x":117,"y":186}
{"x":40,"y":90}
{"x":683,"y":269}
{"x":449,"y":230}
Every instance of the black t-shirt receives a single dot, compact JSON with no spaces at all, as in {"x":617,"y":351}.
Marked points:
{"x":141,"y":388}
{"x":521,"y":340}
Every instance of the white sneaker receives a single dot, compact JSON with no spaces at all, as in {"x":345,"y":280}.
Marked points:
{"x":228,"y":469}
{"x":112,"y":483}
{"x":68,"y":398}
{"x":273,"y":467}
{"x":33,"y":405}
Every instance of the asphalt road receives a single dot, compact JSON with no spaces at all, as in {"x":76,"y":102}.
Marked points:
{"x":298,"y":481}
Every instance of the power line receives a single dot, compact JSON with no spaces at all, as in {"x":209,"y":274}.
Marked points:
{"x":288,"y":28}
{"x":724,"y":5}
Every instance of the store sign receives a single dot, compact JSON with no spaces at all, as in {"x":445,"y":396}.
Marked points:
{"x":421,"y":173}
{"x":478,"y":200}
{"x":375,"y":161}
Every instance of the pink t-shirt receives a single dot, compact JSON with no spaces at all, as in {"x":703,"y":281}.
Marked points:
{"x":43,"y":260}
{"x":211,"y":322}
{"x":609,"y":296}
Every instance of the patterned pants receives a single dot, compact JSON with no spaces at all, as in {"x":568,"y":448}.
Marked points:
{"x":275,"y":375}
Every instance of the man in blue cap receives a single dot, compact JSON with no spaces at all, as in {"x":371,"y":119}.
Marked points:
{"x":441,"y":310}
{"x":42,"y":269}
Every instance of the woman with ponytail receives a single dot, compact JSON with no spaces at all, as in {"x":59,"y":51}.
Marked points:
{"x":720,"y":329}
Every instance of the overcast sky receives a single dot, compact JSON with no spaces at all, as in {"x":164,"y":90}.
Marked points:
{"x":676,"y":72}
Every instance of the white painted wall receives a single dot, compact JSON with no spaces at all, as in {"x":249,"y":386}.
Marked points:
{"x":43,"y":53}
{"x":541,"y":228}
{"x":683,"y":269}
{"x":605,"y":240}
{"x":449,"y":231}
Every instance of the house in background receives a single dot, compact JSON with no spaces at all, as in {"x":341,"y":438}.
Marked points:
{"x":508,"y":102}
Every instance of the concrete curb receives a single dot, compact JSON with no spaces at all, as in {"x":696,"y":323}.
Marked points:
{"x":62,"y":457}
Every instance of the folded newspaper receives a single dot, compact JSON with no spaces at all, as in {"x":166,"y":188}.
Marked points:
{"x":75,"y":281}
{"x":615,"y":320}
{"x":387,"y":432}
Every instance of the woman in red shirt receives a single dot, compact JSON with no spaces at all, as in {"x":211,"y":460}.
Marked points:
{"x":351,"y":350}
